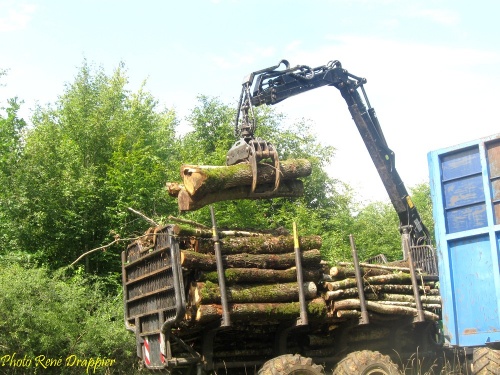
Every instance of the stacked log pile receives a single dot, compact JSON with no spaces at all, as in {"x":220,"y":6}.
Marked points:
{"x":388,"y":292}
{"x":203,"y":185}
{"x":260,"y":276}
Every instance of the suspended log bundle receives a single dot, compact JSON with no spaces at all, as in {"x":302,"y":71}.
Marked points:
{"x":206,"y":184}
{"x":387,"y":291}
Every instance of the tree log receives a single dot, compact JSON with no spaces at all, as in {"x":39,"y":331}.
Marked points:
{"x":186,"y":230}
{"x":202,"y":180}
{"x":206,"y":262}
{"x":386,"y":267}
{"x":256,"y":275}
{"x":349,"y":304}
{"x":209,"y":293}
{"x":265,"y":312}
{"x":260,"y":244}
{"x":286,"y":189}
{"x":353,"y":292}
{"x":402,"y":298}
{"x":425,"y":306}
{"x":400,"y":277}
{"x":343,"y":272}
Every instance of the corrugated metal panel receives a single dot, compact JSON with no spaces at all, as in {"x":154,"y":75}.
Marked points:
{"x":465,"y":189}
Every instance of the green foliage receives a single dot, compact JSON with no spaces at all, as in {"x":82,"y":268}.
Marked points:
{"x":101,"y":150}
{"x":11,"y":130}
{"x":57,"y":316}
{"x":376,"y":227}
{"x":421,"y":196}
{"x":376,"y":231}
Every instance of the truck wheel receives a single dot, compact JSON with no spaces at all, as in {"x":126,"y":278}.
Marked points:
{"x":366,"y":362}
{"x":289,"y":364}
{"x":486,"y":361}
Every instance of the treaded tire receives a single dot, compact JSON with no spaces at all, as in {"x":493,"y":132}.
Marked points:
{"x":486,"y":361}
{"x":289,"y":364}
{"x":366,"y":362}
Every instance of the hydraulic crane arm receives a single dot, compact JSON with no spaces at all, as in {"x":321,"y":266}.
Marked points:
{"x":273,"y":85}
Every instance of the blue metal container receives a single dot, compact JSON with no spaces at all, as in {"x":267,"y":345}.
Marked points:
{"x":465,"y":190}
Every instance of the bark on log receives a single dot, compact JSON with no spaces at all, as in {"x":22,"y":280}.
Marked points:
{"x":185,"y":230}
{"x":257,"y":275}
{"x":400,"y":277}
{"x":343,"y":272}
{"x":265,"y":312}
{"x":353,"y":292}
{"x":259,"y":245}
{"x":425,"y":306}
{"x":349,"y":304}
{"x":286,"y":189}
{"x":402,"y":298}
{"x":206,"y":262}
{"x":209,"y":293}
{"x":201,"y":180}
{"x":377,"y":266}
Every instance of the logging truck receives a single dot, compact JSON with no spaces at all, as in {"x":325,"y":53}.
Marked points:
{"x":208,"y":301}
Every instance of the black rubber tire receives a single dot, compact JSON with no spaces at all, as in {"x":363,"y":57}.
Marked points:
{"x":486,"y":361}
{"x":366,"y":362}
{"x":291,"y":364}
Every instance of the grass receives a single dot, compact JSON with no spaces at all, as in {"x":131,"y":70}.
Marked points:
{"x":447,"y":362}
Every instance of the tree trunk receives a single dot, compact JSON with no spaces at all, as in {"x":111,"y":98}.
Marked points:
{"x":262,"y":312}
{"x":349,"y":304}
{"x":400,"y":277}
{"x":402,"y":298}
{"x":286,"y":189}
{"x":202,"y":180}
{"x":186,"y":230}
{"x":209,"y":293}
{"x":206,"y":262}
{"x":259,"y":245}
{"x":353,"y":292}
{"x":343,"y":272}
{"x":257,"y":275}
{"x":386,"y":267}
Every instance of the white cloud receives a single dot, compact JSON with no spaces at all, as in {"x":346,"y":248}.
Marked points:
{"x":17,"y":16}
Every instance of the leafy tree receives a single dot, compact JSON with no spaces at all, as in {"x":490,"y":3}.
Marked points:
{"x":11,"y":130}
{"x":421,"y":196}
{"x":376,"y":231}
{"x":99,"y":151}
{"x":376,"y":227}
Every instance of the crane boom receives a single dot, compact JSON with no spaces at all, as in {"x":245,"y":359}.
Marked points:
{"x":273,"y":85}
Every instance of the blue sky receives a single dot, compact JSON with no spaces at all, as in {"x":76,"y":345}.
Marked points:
{"x":432,"y":66}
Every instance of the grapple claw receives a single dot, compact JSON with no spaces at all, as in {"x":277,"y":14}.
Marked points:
{"x":253,"y":151}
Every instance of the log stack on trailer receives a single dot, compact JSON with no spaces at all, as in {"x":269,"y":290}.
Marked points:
{"x":387,"y":290}
{"x":225,"y":299}
{"x":261,"y":289}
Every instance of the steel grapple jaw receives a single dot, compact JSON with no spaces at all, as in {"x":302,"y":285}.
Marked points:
{"x":254,"y":151}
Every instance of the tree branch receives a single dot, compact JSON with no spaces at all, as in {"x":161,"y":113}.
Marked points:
{"x":105,"y":246}
{"x":150,"y":221}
